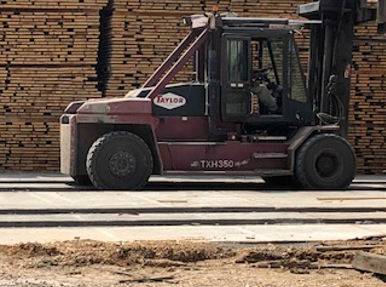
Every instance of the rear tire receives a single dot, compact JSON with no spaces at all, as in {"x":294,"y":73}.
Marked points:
{"x":325,"y":161}
{"x":119,"y":160}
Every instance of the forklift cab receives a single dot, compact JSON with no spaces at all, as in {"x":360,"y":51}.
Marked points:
{"x":261,"y":63}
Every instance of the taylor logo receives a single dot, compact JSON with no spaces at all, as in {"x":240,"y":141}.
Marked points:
{"x":169,"y":101}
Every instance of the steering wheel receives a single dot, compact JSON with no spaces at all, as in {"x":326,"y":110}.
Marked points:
{"x":262,"y":74}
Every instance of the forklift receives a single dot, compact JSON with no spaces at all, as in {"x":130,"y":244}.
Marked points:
{"x":219,"y":123}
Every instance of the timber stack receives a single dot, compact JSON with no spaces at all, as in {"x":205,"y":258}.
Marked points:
{"x":144,"y":32}
{"x":48,"y":54}
{"x":54,"y":52}
{"x":367,"y":116}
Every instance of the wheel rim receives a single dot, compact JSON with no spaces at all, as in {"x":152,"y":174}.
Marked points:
{"x":327,"y":165}
{"x":122,"y":164}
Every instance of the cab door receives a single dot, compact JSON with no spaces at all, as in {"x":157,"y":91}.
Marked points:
{"x":236,"y":78}
{"x":276,"y":52}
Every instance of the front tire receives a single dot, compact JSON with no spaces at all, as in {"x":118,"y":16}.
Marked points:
{"x":119,"y":160}
{"x":325,"y":161}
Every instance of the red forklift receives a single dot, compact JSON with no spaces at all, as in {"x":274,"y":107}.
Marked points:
{"x":220,"y":123}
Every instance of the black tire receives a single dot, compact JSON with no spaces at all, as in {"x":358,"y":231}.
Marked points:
{"x":284,"y":181}
{"x":82,"y":180}
{"x":119,"y":160}
{"x":325,"y":161}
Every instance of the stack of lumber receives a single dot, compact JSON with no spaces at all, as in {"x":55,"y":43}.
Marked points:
{"x":58,"y":5}
{"x":48,"y":54}
{"x":368,"y":100}
{"x":53,"y":52}
{"x":144,"y":32}
{"x":140,"y":40}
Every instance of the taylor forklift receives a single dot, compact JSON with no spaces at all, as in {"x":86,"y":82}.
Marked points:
{"x":215,"y":124}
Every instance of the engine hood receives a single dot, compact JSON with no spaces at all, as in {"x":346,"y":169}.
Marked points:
{"x":116,"y":106}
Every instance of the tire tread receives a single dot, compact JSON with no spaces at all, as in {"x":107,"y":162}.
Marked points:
{"x":99,"y":143}
{"x":299,"y":171}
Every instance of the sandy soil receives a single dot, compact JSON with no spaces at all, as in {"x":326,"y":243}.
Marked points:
{"x":97,"y":264}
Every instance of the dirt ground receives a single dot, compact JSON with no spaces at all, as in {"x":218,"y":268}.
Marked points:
{"x":91,"y":263}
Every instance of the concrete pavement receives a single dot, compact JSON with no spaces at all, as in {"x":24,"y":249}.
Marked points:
{"x":58,"y":177}
{"x":366,"y":191}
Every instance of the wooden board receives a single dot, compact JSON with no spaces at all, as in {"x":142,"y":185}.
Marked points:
{"x":370,"y":262}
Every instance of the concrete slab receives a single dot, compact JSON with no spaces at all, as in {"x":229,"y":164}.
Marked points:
{"x":191,"y":217}
{"x":34,"y":177}
{"x":246,"y":233}
{"x":153,"y":218}
{"x":191,"y":198}
{"x":367,"y":191}
{"x":58,"y":177}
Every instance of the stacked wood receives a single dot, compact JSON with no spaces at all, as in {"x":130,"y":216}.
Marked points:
{"x":57,"y":5}
{"x":143,"y":32}
{"x":48,"y":58}
{"x":31,"y":110}
{"x":368,"y":106}
{"x":140,"y":41}
{"x":53,"y":52}
{"x":49,"y":38}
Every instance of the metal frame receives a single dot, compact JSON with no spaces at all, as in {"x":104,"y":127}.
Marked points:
{"x":197,"y":43}
{"x":170,"y":59}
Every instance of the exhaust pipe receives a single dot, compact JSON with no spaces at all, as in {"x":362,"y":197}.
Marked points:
{"x":381,"y":16}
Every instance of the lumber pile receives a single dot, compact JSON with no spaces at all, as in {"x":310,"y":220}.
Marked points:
{"x":57,"y":5}
{"x":140,"y":40}
{"x":144,"y":32}
{"x":54,"y":52}
{"x":368,"y":106}
{"x":48,"y":53}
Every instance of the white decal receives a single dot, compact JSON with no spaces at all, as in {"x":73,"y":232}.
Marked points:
{"x":218,"y":164}
{"x":169,"y":101}
{"x":241,"y":163}
{"x":195,"y":164}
